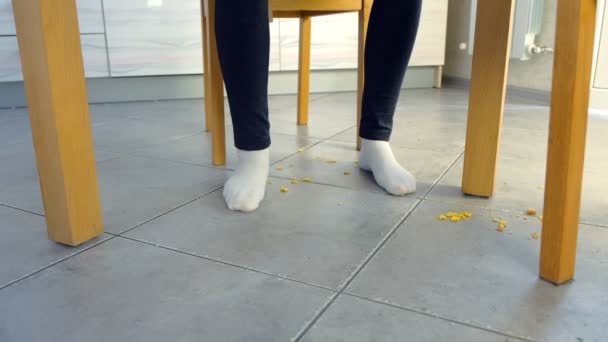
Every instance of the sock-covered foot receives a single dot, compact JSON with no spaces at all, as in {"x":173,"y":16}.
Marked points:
{"x":376,"y":156}
{"x":245,"y":189}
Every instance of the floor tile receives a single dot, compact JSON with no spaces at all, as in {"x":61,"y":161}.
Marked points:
{"x":135,"y":189}
{"x":469,"y":272}
{"x":127,"y":291}
{"x":313,"y":233}
{"x":25,"y":247}
{"x":426,"y":165}
{"x":197,"y":149}
{"x":520,"y":185}
{"x":354,"y":319}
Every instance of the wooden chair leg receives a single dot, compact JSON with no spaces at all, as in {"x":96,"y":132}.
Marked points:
{"x":304,"y":70}
{"x":363,"y":22}
{"x":215,"y":91}
{"x":206,"y":69}
{"x":487,"y":95}
{"x":567,"y":132}
{"x":51,"y":60}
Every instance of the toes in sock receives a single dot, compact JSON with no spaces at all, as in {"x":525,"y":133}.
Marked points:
{"x":376,"y":156}
{"x":245,"y":189}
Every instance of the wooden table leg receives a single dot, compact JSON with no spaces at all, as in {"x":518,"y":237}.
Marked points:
{"x":215,"y":91}
{"x":206,"y":69}
{"x":567,"y":133}
{"x":363,"y":22}
{"x":53,"y":71}
{"x":487,"y":95}
{"x":304,"y":70}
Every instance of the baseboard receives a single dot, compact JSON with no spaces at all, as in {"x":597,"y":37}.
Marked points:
{"x":540,"y":96}
{"x":124,"y":89}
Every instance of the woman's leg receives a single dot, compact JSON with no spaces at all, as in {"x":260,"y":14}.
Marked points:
{"x":243,"y":41}
{"x":390,"y":39}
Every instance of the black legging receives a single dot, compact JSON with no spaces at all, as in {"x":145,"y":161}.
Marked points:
{"x":243,"y":40}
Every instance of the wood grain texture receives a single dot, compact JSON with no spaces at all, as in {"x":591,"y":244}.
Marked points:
{"x":315,"y":5}
{"x":364,"y":15}
{"x":304,"y":70}
{"x":216,"y":89}
{"x":567,"y":135}
{"x":487,"y":95}
{"x":54,"y":80}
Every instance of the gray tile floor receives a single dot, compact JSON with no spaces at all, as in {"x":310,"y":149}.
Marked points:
{"x":331,"y":260}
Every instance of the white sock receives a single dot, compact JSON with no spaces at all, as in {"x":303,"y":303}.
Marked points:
{"x":376,"y":156}
{"x":245,"y":189}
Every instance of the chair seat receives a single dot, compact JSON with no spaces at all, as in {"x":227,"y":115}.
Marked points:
{"x":315,"y":5}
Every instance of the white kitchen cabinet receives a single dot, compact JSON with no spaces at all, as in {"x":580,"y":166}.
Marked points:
{"x":335,"y":39}
{"x":601,"y":71}
{"x":90,"y":17}
{"x":93,"y":52}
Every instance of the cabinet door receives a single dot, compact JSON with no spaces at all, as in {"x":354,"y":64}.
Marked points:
{"x":335,"y":39}
{"x":93,"y":53}
{"x":90,"y":17}
{"x":601,"y":71}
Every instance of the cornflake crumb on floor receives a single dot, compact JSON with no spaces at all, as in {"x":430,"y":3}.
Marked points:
{"x":340,"y":203}
{"x":501,"y":228}
{"x":531,"y":211}
{"x":535,"y":236}
{"x":330,"y":161}
{"x":307,"y":179}
{"x":540,"y":187}
{"x":284,"y":189}
{"x":278,"y":168}
{"x":346,"y":173}
{"x":300,"y":150}
{"x":269,"y":182}
{"x":294,"y":181}
{"x":455,"y":217}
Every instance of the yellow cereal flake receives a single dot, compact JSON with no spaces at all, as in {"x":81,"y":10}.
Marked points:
{"x":330,"y":161}
{"x":531,"y":211}
{"x":284,"y":189}
{"x":503,"y":222}
{"x":442,"y":217}
{"x":455,"y":218}
{"x":501,"y":228}
{"x":307,"y":179}
{"x":467,"y":214}
{"x":278,"y":168}
{"x":451,"y":214}
{"x":300,"y":150}
{"x":494,"y":219}
{"x":540,"y":217}
{"x":540,"y":187}
{"x":346,"y":173}
{"x":294,"y":181}
{"x":535,"y":236}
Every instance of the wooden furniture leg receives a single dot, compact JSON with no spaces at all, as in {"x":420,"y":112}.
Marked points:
{"x":304,"y":70}
{"x":567,"y":133}
{"x":206,"y":69}
{"x":216,"y":91}
{"x":487,"y":95}
{"x":51,"y":60}
{"x":364,"y":14}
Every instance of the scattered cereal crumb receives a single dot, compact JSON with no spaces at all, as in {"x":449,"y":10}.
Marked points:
{"x":535,"y":236}
{"x":307,"y":179}
{"x":346,"y":173}
{"x":269,"y":182}
{"x":294,"y":181}
{"x":451,"y":214}
{"x":540,"y":217}
{"x":540,"y":187}
{"x":494,"y":219}
{"x":340,"y":203}
{"x":442,"y":217}
{"x":284,"y":189}
{"x":455,"y":218}
{"x":467,"y":214}
{"x":278,"y":168}
{"x":300,"y":150}
{"x":531,"y":211}
{"x":330,"y":161}
{"x":503,"y":222}
{"x":501,"y":228}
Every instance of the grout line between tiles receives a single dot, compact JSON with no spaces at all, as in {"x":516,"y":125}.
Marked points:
{"x":355,"y":273}
{"x":23,"y":210}
{"x":469,"y":325}
{"x":442,"y":175}
{"x":2,"y":287}
{"x":227,"y":263}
